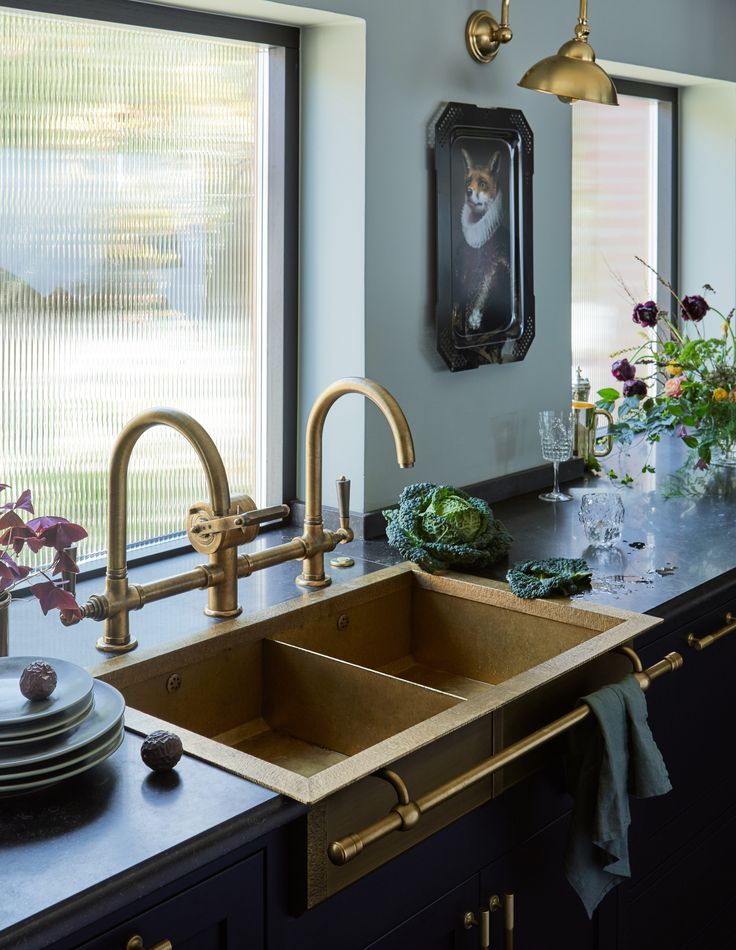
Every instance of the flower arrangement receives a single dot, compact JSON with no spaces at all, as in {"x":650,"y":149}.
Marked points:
{"x":676,"y":381}
{"x":37,"y":533}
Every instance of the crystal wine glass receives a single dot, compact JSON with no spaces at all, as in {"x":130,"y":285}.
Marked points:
{"x":556,"y":433}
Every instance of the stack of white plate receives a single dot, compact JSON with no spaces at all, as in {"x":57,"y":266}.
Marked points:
{"x":48,"y":740}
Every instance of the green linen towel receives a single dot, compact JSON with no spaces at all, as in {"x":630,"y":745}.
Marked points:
{"x":612,"y":754}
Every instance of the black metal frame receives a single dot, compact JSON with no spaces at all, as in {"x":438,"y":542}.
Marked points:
{"x":670,"y":96}
{"x":474,"y":323}
{"x":158,"y":16}
{"x":175,"y":19}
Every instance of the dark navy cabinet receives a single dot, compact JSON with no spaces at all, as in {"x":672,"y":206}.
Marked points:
{"x":682,"y":845}
{"x":419,"y":900}
{"x":440,"y":926}
{"x":224,"y":912}
{"x":547,"y":913}
{"x":681,"y":895}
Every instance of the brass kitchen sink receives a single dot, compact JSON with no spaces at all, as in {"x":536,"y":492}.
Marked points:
{"x":294,"y":708}
{"x":314,"y":694}
{"x":427,"y":674}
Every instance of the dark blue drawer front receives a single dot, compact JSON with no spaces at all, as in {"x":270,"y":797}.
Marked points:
{"x":225,"y":912}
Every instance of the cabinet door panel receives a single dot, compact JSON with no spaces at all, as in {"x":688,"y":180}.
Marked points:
{"x":439,"y":926}
{"x":691,"y":713}
{"x":224,"y":912}
{"x":548,"y":914}
{"x":686,"y":900}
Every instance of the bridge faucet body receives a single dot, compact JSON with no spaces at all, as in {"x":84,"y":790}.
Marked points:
{"x":217,"y":529}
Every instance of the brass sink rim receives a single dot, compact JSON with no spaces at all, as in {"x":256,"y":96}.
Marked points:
{"x":121,"y":671}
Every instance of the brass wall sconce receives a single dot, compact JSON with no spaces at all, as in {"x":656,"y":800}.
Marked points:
{"x":571,"y":74}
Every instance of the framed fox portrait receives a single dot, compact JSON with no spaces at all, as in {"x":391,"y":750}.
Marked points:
{"x":484,"y":163}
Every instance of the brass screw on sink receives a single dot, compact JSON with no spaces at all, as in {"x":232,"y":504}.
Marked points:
{"x":173,"y":683}
{"x":342,"y":621}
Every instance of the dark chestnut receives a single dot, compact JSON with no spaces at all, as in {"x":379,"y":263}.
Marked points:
{"x":161,"y":750}
{"x":38,"y":680}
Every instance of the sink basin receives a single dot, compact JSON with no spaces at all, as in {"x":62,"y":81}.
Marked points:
{"x":319,"y":692}
{"x":429,"y":675}
{"x":287,"y":706}
{"x":449,"y":634}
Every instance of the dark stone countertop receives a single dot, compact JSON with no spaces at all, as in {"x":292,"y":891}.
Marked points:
{"x":96,"y":842}
{"x":669,"y":549}
{"x":116,"y":825}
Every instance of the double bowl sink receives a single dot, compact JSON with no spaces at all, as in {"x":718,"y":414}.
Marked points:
{"x":427,"y":674}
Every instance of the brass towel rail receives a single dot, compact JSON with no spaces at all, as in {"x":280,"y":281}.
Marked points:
{"x":406,"y":813}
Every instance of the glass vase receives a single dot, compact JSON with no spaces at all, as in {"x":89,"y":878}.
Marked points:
{"x":725,"y":456}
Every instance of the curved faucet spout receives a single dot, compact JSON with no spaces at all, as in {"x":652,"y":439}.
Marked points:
{"x":378,"y":395}
{"x":313,"y":574}
{"x":117,"y":500}
{"x":222,"y":598}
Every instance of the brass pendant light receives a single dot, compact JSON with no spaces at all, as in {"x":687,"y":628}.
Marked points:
{"x":572,"y":73}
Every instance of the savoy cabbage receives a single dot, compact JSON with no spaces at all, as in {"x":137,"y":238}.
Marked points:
{"x":438,"y":527}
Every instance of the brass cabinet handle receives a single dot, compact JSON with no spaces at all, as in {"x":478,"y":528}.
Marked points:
{"x":508,"y":921}
{"x":470,"y":920}
{"x":136,"y":943}
{"x":700,"y":643}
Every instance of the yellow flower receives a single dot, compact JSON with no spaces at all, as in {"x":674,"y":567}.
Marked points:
{"x":673,"y":369}
{"x":720,"y":394}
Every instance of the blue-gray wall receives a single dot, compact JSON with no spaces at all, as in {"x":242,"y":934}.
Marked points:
{"x":482,"y":423}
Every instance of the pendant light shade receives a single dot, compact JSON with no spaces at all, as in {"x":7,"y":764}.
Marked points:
{"x":572,"y":73}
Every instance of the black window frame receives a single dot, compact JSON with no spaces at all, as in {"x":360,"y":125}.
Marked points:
{"x":288,"y":40}
{"x":669,"y":95}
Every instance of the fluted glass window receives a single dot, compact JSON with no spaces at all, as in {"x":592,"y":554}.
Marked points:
{"x":134,"y":223}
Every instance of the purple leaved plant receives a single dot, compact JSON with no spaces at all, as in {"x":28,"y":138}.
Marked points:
{"x":37,"y":533}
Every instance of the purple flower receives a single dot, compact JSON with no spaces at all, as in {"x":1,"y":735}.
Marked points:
{"x":694,"y":308}
{"x":701,"y":465}
{"x":646,"y":314}
{"x":623,"y":370}
{"x":635,"y":387}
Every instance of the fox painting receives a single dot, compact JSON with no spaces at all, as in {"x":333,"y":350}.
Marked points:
{"x":482,"y":294}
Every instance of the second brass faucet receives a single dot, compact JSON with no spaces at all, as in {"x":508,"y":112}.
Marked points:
{"x":218,"y":527}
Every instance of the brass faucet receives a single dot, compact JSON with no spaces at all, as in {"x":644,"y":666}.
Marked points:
{"x":217,"y":528}
{"x":313,"y":571}
{"x":219,"y":576}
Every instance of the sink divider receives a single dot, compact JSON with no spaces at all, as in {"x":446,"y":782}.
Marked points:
{"x":338,"y":705}
{"x":407,"y":812}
